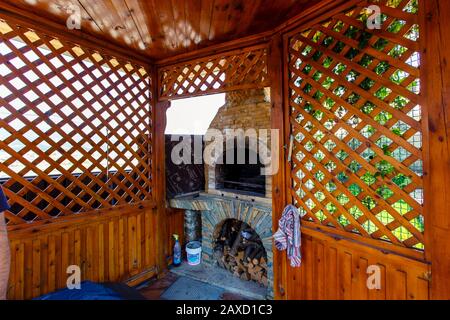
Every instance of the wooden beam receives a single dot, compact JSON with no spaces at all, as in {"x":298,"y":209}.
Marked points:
{"x":435,"y":81}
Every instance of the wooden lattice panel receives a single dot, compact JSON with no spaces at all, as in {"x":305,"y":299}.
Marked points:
{"x":244,"y":69}
{"x":355,"y":115}
{"x":75,"y":127}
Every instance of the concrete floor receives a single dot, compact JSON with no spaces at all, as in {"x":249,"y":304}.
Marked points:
{"x":202,"y":283}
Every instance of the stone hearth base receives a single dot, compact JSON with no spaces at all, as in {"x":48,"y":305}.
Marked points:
{"x":215,"y":209}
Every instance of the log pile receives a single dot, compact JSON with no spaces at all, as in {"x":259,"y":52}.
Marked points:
{"x":239,"y":249}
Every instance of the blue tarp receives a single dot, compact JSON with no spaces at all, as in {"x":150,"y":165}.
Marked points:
{"x":88,"y":291}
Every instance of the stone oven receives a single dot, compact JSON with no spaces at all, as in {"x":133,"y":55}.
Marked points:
{"x":243,"y":178}
{"x":245,"y":110}
{"x":235,"y":211}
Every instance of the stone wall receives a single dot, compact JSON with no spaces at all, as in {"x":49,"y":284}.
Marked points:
{"x":214,"y":210}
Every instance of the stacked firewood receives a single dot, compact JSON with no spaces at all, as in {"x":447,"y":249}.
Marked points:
{"x":239,"y":249}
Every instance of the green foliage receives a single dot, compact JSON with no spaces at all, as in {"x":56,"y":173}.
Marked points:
{"x":327,"y":83}
{"x":397,"y":131}
{"x":382,"y":67}
{"x":385,"y":192}
{"x":399,"y":103}
{"x":383,"y":93}
{"x":355,"y":189}
{"x":380,"y":44}
{"x":318,"y":95}
{"x":397,"y":51}
{"x":384,"y":169}
{"x":328,"y":103}
{"x":339,"y":47}
{"x":307,"y":69}
{"x":338,"y":26}
{"x":383,"y":117}
{"x":342,"y":155}
{"x":352,"y":53}
{"x":366,"y":60}
{"x":368,"y":107}
{"x":368,"y":178}
{"x":367,"y":84}
{"x":316,"y":76}
{"x":307,"y":89}
{"x":396,"y":26}
{"x":369,"y":203}
{"x":402,"y":181}
{"x":351,"y":32}
{"x":327,"y":41}
{"x":331,"y":208}
{"x":340,"y":67}
{"x":317,"y":36}
{"x":327,"y":62}
{"x":354,"y":166}
{"x":316,"y":56}
{"x":353,"y":98}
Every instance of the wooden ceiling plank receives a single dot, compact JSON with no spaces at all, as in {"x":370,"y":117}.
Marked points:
{"x":140,"y":18}
{"x":109,"y":20}
{"x":193,"y":9}
{"x":248,"y":17}
{"x":206,"y":19}
{"x":219,"y":17}
{"x":170,"y":27}
{"x":178,"y":19}
{"x":152,"y":20}
{"x":235,"y":16}
{"x":167,"y":22}
{"x":87,"y":19}
{"x":131,"y":33}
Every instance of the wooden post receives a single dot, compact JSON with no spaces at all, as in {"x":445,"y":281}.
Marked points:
{"x":278,"y":180}
{"x":435,"y":35}
{"x":159,"y":174}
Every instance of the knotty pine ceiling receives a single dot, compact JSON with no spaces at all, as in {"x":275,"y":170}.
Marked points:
{"x":165,"y":28}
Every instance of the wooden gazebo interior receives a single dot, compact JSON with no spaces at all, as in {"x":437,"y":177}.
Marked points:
{"x":83,"y":114}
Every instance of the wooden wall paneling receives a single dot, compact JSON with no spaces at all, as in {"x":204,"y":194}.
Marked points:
{"x":337,"y":269}
{"x":175,"y":225}
{"x":40,"y":256}
{"x":435,"y":79}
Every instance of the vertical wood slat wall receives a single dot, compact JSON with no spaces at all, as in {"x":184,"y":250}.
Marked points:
{"x":336,"y":269}
{"x":114,"y":247}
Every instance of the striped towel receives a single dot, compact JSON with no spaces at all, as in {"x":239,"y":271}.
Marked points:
{"x":288,"y":236}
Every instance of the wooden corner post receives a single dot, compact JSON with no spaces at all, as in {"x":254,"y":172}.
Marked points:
{"x":275,"y":63}
{"x":159,"y":174}
{"x":435,"y":47}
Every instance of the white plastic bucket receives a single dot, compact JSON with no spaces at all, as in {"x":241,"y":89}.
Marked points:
{"x":194,"y":253}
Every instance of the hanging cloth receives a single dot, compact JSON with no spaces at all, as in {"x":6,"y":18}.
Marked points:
{"x":288,"y":236}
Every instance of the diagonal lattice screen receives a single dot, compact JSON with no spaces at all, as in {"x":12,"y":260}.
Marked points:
{"x":75,"y":127}
{"x":245,"y":69}
{"x":356,"y":119}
